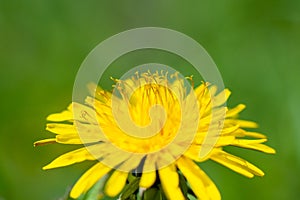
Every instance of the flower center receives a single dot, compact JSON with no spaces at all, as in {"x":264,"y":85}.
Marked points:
{"x":147,"y":117}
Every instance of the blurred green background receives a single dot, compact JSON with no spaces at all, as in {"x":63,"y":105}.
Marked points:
{"x":256,"y":45}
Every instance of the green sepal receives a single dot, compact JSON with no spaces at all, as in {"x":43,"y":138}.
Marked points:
{"x":163,"y":196}
{"x":95,"y":192}
{"x":152,"y":194}
{"x":183,"y":185}
{"x":131,"y":177}
{"x":130,"y":188}
{"x":191,"y":197}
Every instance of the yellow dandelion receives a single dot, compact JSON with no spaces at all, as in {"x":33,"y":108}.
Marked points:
{"x":153,"y":124}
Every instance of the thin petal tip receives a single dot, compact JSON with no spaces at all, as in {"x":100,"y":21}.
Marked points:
{"x":45,"y":141}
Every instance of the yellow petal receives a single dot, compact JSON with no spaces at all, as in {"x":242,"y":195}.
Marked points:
{"x":254,"y":144}
{"x":75,"y":111}
{"x":236,"y":164}
{"x":84,"y":138}
{"x":165,"y":157}
{"x":193,"y":153}
{"x":98,"y":105}
{"x":247,"y":124}
{"x":148,"y":179}
{"x":68,"y":139}
{"x":88,"y":179}
{"x":61,"y":128}
{"x":70,"y":158}
{"x":230,"y":129}
{"x":242,"y":133}
{"x":224,"y":141}
{"x":45,"y":141}
{"x":200,"y":183}
{"x":246,"y":141}
{"x":170,"y":183}
{"x":83,"y":113}
{"x":115,"y":183}
{"x":199,"y":91}
{"x":67,"y":133}
{"x":236,"y":110}
{"x":97,"y":92}
{"x":242,"y":123}
{"x":221,"y":98}
{"x":63,"y":116}
{"x":115,"y":156}
{"x":213,"y":119}
{"x":212,"y":90}
{"x":216,"y":141}
{"x":131,"y":163}
{"x":90,"y":132}
{"x":150,"y":163}
{"x":254,"y":134}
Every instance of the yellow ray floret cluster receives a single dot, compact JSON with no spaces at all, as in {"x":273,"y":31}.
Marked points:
{"x":159,"y":149}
